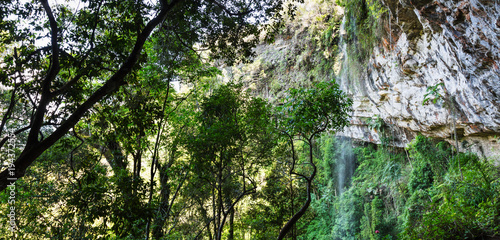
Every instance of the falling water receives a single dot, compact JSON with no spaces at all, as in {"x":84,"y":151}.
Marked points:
{"x":343,"y":78}
{"x":345,"y":156}
{"x":350,"y":76}
{"x":346,"y":162}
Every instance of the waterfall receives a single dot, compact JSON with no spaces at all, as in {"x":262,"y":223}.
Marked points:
{"x":349,"y":76}
{"x":343,"y":78}
{"x":346,"y":163}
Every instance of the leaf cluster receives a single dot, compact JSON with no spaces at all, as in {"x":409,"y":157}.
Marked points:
{"x":310,"y":111}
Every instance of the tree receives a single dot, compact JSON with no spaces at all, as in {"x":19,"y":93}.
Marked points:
{"x":231,"y":144}
{"x":304,"y":115}
{"x":96,"y":48}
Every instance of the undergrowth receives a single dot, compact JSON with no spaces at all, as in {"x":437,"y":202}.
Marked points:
{"x":419,"y":193}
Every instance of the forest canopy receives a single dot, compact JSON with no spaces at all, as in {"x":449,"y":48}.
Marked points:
{"x":97,"y":143}
{"x":174,"y":119}
{"x":60,"y":59}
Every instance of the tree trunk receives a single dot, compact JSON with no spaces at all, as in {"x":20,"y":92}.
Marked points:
{"x":160,"y":218}
{"x":214,"y":211}
{"x":292,"y":198}
{"x":289,"y":225}
{"x":231,"y":225}
{"x":220,"y":206}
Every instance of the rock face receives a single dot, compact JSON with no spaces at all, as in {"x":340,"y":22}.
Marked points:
{"x":435,"y":72}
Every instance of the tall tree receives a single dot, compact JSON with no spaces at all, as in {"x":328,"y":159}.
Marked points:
{"x":94,"y":48}
{"x":305,"y":114}
{"x":229,"y":148}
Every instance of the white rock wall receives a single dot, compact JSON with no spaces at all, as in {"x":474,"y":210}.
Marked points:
{"x":453,"y":42}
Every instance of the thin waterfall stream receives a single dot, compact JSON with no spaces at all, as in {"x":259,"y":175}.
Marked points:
{"x":346,"y":164}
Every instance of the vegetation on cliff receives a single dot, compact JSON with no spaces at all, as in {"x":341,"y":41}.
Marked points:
{"x":416,"y":193}
{"x":97,"y":143}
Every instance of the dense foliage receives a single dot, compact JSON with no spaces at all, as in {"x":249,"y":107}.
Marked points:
{"x":421,"y":194}
{"x":217,"y":163}
{"x":59,"y":60}
{"x":115,"y":124}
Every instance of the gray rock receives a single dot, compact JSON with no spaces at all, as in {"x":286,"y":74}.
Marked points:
{"x":460,"y":48}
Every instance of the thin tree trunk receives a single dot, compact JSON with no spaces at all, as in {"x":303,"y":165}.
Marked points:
{"x":231,"y":225}
{"x":160,"y":218}
{"x":289,"y":225}
{"x":292,"y":197}
{"x":220,"y":203}
{"x":214,"y":211}
{"x":154,"y":163}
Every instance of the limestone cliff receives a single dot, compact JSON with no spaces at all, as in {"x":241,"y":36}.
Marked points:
{"x":451,"y":46}
{"x":434,"y":69}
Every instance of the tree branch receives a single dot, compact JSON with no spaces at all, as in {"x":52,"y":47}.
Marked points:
{"x":5,"y":139}
{"x":27,"y":58}
{"x":225,"y":213}
{"x":34,"y":149}
{"x":37,"y":121}
{"x":201,"y":230}
{"x":6,"y":116}
{"x":288,"y":226}
{"x":68,"y":84}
